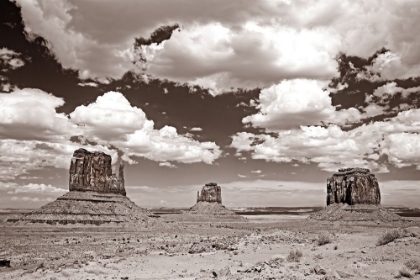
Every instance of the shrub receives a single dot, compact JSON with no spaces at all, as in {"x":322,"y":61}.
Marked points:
{"x":404,"y":272}
{"x":323,"y":238}
{"x":294,"y":256}
{"x":413,"y":264}
{"x":389,"y":236}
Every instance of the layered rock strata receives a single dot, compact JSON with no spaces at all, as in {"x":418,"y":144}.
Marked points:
{"x":93,"y":172}
{"x":353,"y":186}
{"x":211,"y":192}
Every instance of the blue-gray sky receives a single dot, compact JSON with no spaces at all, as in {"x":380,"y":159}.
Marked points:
{"x":266,"y":98}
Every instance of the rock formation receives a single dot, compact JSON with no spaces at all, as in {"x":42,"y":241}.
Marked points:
{"x":353,"y":186}
{"x":96,"y":196}
{"x":211,"y":192}
{"x":209,"y":203}
{"x":353,"y":195}
{"x":93,"y":172}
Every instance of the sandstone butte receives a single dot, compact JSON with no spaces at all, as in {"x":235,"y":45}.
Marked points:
{"x":95,"y":196}
{"x":209,"y":203}
{"x":353,"y":194}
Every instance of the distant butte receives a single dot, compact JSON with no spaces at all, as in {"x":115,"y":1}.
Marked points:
{"x":353,"y":186}
{"x":209,"y":203}
{"x":353,"y":195}
{"x":96,"y":196}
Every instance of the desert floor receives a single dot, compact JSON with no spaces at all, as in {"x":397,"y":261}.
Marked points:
{"x":187,"y":247}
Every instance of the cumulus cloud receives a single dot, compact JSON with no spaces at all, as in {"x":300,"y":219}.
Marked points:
{"x":390,"y":89}
{"x":196,"y":129}
{"x":297,"y":102}
{"x":111,"y":119}
{"x":241,"y":45}
{"x":34,"y":136}
{"x":329,"y":147}
{"x":30,"y":114}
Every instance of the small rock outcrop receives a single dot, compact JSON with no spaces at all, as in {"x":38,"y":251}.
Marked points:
{"x":211,"y":192}
{"x":353,"y":186}
{"x":93,"y":172}
{"x":96,"y":196}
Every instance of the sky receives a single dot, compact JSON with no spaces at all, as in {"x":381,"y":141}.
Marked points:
{"x":267,"y":98}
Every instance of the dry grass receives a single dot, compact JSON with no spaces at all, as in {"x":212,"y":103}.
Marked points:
{"x":294,"y":256}
{"x":323,"y":238}
{"x":389,"y":236}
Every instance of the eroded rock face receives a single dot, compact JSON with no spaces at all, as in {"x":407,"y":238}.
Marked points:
{"x":211,"y":192}
{"x":353,"y":186}
{"x":93,"y":172}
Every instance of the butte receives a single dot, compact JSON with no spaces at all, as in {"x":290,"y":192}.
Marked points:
{"x":209,"y":203}
{"x":96,"y":196}
{"x":353,"y":194}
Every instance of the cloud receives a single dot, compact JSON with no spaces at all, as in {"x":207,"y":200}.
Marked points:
{"x":329,"y":147}
{"x":111,"y":119}
{"x":30,"y":114}
{"x":34,"y":136}
{"x":297,"y":102}
{"x":256,"y":171}
{"x":196,"y":129}
{"x":390,"y":89}
{"x":167,"y":164}
{"x":241,"y":176}
{"x":241,"y":45}
{"x":89,"y":84}
{"x":10,"y":60}
{"x":36,"y":188}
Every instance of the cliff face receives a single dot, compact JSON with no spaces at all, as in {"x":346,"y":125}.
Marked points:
{"x":353,"y":186}
{"x":93,"y":172}
{"x":211,"y":192}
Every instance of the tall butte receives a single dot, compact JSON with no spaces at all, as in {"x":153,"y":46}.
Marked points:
{"x":209,"y":203}
{"x":96,"y":196}
{"x":353,"y":194}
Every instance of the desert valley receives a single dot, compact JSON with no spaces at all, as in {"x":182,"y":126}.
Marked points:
{"x":95,"y":232}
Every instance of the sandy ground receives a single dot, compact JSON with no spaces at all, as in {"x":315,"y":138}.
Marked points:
{"x":197,"y":248}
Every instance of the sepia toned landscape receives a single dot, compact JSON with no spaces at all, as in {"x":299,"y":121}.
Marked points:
{"x":209,"y":139}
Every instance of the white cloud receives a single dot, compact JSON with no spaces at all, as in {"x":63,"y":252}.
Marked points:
{"x":110,"y":116}
{"x":34,"y":136}
{"x":196,"y":129}
{"x":331,"y":148}
{"x":389,"y":90}
{"x":10,"y":59}
{"x":241,"y":176}
{"x":256,"y":171}
{"x":237,"y":45}
{"x":36,"y":188}
{"x":293,"y":103}
{"x":89,"y":84}
{"x":112,"y":119}
{"x":167,"y":164}
{"x":30,"y":114}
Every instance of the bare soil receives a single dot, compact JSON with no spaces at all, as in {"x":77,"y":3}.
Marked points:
{"x":196,"y":247}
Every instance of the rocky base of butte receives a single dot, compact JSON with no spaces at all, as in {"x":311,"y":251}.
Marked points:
{"x":96,"y":196}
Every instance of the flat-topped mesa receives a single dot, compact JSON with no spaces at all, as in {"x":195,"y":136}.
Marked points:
{"x":353,"y":186}
{"x":211,"y":192}
{"x":92,"y":171}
